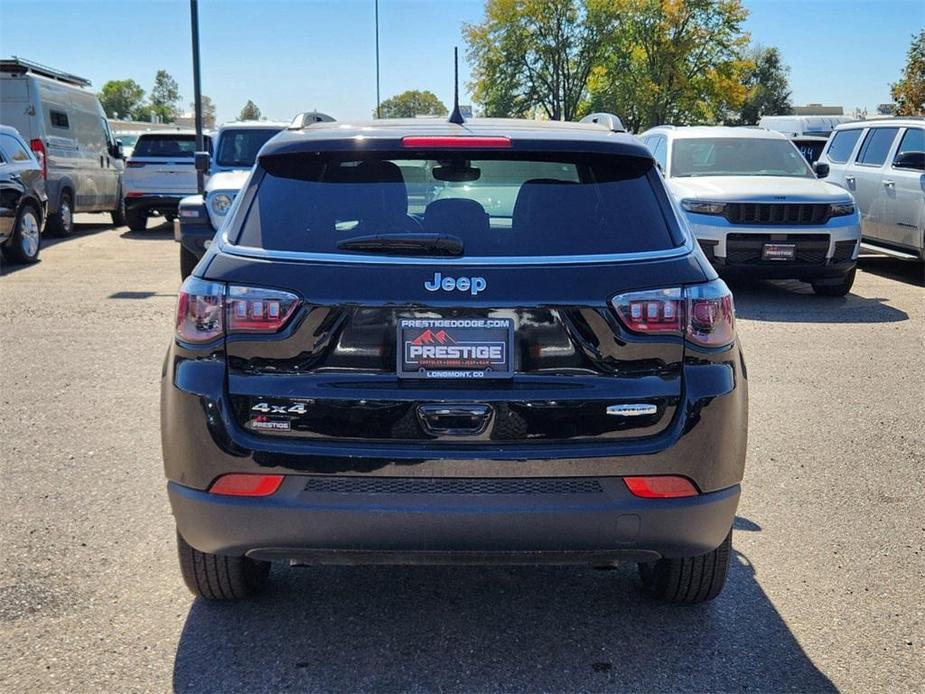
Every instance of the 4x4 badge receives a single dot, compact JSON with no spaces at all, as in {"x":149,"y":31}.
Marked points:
{"x":473,"y":285}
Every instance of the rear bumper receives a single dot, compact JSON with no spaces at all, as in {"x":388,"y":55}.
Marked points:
{"x":154,"y":203}
{"x":193,"y":236}
{"x":314,"y":519}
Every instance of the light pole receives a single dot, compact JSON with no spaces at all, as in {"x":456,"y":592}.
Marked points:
{"x":197,"y":95}
{"x":378,"y":113}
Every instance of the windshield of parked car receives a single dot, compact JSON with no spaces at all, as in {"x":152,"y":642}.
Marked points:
{"x":737,"y":156}
{"x":493,"y":204}
{"x":167,"y":145}
{"x":238,"y":148}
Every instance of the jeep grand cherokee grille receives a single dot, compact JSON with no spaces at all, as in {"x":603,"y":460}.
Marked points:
{"x":776,"y":213}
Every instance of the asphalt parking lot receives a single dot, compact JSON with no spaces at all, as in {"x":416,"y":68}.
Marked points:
{"x":827,"y":589}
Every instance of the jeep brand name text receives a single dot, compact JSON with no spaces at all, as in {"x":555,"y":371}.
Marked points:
{"x":473,"y":285}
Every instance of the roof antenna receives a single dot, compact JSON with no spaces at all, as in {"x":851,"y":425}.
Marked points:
{"x":456,"y":116}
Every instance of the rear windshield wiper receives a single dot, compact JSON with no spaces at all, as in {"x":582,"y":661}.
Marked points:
{"x":405,"y":244}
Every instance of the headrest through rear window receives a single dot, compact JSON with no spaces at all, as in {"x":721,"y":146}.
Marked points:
{"x":550,"y":212}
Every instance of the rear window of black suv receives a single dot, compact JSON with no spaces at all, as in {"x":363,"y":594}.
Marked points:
{"x":514,"y":204}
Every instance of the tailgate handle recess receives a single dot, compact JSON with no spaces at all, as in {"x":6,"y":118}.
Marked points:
{"x":455,"y":420}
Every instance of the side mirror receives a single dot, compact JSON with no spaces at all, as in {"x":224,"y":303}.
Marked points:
{"x":202,"y":162}
{"x":910,"y":160}
{"x":115,"y":150}
{"x":821,"y":169}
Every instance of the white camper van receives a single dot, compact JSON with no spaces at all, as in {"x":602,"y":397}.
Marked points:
{"x":66,"y":127}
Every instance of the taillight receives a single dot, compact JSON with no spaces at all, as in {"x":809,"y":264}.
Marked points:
{"x":253,"y":310}
{"x":660,"y":486}
{"x":134,"y":164}
{"x":200,"y":305}
{"x":659,"y":311}
{"x":38,"y":148}
{"x":703,"y":313}
{"x":208,"y":310}
{"x":710,"y":314}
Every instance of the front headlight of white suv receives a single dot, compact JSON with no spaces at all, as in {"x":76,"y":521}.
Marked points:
{"x":703,"y":206}
{"x":220,"y":203}
{"x":841,"y":209}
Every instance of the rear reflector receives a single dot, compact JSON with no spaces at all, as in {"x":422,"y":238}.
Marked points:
{"x":660,"y":487}
{"x":246,"y":485}
{"x":461,"y":142}
{"x":134,"y":194}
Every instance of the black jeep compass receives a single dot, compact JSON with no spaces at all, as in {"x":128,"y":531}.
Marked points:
{"x":421,"y":342}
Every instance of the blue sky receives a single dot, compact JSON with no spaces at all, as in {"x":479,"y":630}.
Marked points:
{"x":296,"y":55}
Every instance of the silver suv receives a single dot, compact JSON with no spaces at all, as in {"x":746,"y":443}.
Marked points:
{"x":882,"y":163}
{"x":756,"y":207}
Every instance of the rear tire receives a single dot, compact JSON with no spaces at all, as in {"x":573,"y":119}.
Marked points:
{"x":689,"y":580}
{"x":136,"y":220}
{"x":26,"y":239}
{"x":118,"y":214}
{"x":61,"y":223}
{"x":839,"y":289}
{"x":188,"y":261}
{"x":217,"y":577}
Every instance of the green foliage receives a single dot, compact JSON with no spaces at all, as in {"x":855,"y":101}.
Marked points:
{"x":249,"y":112}
{"x":534,"y":56}
{"x":208,"y":111}
{"x":165,"y":95}
{"x":673,"y":61}
{"x":909,"y":91}
{"x":767,"y":88}
{"x":121,"y":98}
{"x":412,"y":103}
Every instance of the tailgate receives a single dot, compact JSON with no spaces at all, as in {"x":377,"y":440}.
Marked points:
{"x":155,"y":175}
{"x":556,"y":364}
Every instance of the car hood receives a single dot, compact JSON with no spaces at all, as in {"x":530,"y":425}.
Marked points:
{"x":227,"y":180}
{"x":756,"y":189}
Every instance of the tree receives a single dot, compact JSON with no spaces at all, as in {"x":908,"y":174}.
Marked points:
{"x":767,"y":88}
{"x":673,"y":61}
{"x":249,"y":112}
{"x":208,"y":111}
{"x":121,"y":98}
{"x":530,"y":55}
{"x":412,"y":103}
{"x":909,"y":91}
{"x":165,"y":95}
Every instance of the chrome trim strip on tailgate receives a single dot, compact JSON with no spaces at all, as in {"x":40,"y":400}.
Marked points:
{"x":260,"y":253}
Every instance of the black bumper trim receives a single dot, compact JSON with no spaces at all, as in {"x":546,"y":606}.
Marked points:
{"x":783,"y":270}
{"x":159,"y":203}
{"x":402,"y":528}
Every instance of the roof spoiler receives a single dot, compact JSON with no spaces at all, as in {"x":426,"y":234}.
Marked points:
{"x":606,"y":120}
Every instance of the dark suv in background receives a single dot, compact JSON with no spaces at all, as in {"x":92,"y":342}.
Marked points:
{"x":530,"y":362}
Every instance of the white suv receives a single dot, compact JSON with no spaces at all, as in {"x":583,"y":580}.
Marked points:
{"x":159,"y":173}
{"x":882,"y":163}
{"x":755,"y":205}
